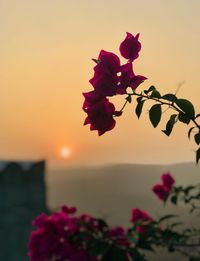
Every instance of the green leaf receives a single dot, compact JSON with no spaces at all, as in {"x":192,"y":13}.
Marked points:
{"x":174,"y":199}
{"x":133,"y":237}
{"x":139,"y":99}
{"x":138,"y":109}
{"x":190,"y":131}
{"x":145,"y":245}
{"x":166,"y":217}
{"x":187,"y":107}
{"x":129,"y":98}
{"x":170,"y":124}
{"x":115,"y":253}
{"x":183,"y":118}
{"x":188,"y":189}
{"x":155,"y":114}
{"x":169,"y":97}
{"x":151,"y":88}
{"x":198,"y":155}
{"x":99,"y":248}
{"x":176,"y":224}
{"x":155,"y":94}
{"x":178,"y":189}
{"x":137,"y":256}
{"x":102,"y":223}
{"x":197,"y":138}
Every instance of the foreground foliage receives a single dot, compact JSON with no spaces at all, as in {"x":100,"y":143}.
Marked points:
{"x":65,"y":235}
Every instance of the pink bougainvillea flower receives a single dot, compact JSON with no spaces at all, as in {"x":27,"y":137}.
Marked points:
{"x":115,"y":232}
{"x":130,"y":47}
{"x":100,"y":116}
{"x":104,"y":84}
{"x":118,"y":234}
{"x":69,"y":210}
{"x":82,"y":256}
{"x":161,"y":191}
{"x":90,"y":99}
{"x":139,"y":215}
{"x":168,"y":180}
{"x":105,"y":78}
{"x":128,"y":79}
{"x":141,"y":229}
{"x":125,"y":78}
{"x":40,"y":220}
{"x":110,"y":79}
{"x":86,"y":218}
{"x":136,"y":81}
{"x":44,"y":242}
{"x":107,"y":63}
{"x":142,"y":220}
{"x":52,"y":239}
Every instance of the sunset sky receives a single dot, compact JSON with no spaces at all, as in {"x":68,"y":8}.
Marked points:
{"x":45,"y":64}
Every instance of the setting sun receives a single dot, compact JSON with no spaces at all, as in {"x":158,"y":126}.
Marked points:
{"x":65,"y":152}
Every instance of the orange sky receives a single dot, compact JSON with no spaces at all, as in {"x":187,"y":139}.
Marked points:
{"x":46,"y":50}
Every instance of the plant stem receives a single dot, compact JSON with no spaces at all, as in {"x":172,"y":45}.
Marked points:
{"x":170,"y":104}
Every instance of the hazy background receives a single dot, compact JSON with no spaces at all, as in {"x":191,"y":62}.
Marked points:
{"x":45,"y":64}
{"x":111,"y":191}
{"x":46,"y":48}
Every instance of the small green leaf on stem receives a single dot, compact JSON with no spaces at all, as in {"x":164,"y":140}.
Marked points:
{"x":129,"y":98}
{"x":197,"y":138}
{"x":176,"y":224}
{"x":99,"y":248}
{"x":116,"y":253}
{"x":166,"y":218}
{"x":170,"y":124}
{"x":187,"y":107}
{"x":169,"y":97}
{"x":139,"y":99}
{"x":138,"y":109}
{"x":155,"y":94}
{"x":183,"y":118}
{"x":155,"y":114}
{"x":151,"y":88}
{"x":174,"y":199}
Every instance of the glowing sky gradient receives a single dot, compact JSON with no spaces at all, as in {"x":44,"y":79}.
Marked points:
{"x":45,"y":64}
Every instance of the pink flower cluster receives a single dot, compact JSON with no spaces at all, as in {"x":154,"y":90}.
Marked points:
{"x":141,"y":219}
{"x":162,"y":190}
{"x":110,"y":79}
{"x":51,"y":240}
{"x":65,"y":236}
